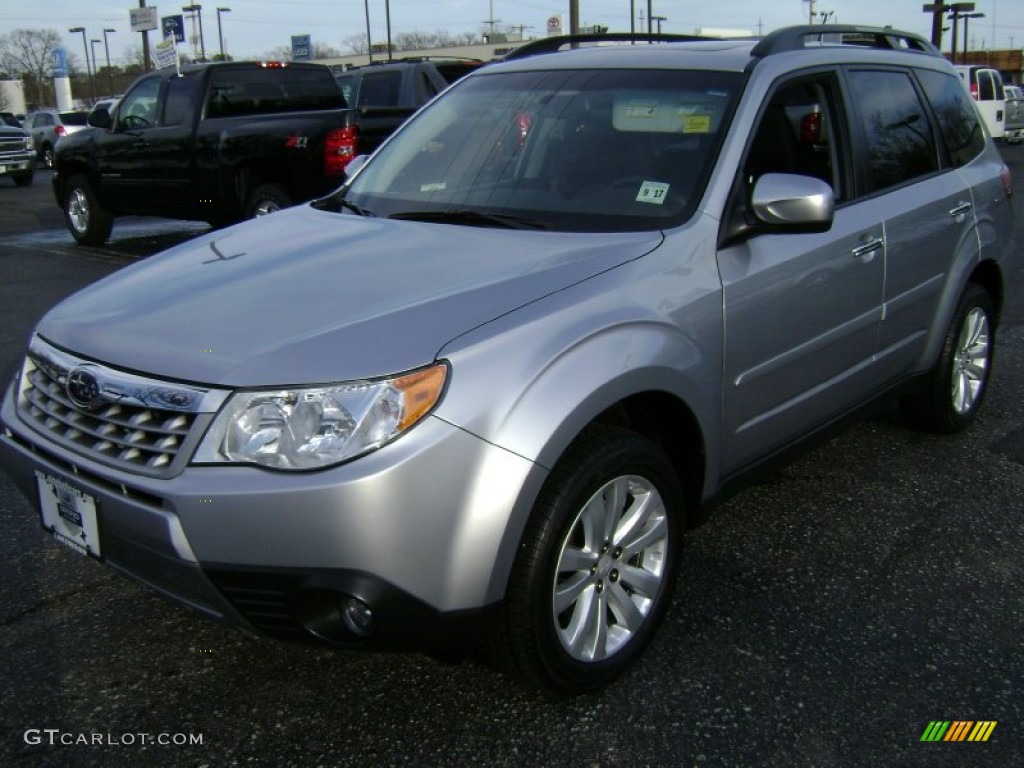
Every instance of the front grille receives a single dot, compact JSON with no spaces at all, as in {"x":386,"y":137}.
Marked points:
{"x":124,"y":434}
{"x":127,"y":421}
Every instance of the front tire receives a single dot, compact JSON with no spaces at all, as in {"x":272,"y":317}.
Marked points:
{"x":596,"y":564}
{"x":267,"y":198}
{"x":24,"y":181}
{"x":89,"y":222}
{"x":956,"y":386}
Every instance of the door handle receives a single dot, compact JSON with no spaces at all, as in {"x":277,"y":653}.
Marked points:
{"x":960,"y":209}
{"x":869,"y":246}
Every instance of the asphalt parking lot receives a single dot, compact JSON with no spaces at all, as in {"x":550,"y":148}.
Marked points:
{"x":824,"y":617}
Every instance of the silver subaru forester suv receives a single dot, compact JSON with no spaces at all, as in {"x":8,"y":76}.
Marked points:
{"x":475,"y":398}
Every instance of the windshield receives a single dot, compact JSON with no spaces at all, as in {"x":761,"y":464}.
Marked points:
{"x":567,"y":150}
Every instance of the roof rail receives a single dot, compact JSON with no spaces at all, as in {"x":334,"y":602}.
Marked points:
{"x":556,"y":43}
{"x":795,"y":38}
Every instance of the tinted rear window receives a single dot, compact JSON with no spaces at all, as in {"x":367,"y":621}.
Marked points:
{"x":74,"y":118}
{"x":238,"y":92}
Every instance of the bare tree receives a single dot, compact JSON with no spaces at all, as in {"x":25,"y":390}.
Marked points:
{"x":28,"y":53}
{"x":356,"y":44}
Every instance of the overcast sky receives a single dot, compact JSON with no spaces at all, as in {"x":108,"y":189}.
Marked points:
{"x":254,"y":27}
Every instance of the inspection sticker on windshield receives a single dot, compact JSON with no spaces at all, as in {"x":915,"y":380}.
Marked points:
{"x":652,"y":192}
{"x":69,"y":514}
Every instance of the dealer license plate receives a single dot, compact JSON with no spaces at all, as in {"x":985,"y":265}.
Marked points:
{"x":69,"y":514}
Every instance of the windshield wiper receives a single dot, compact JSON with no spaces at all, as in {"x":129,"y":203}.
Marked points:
{"x":335,"y":204}
{"x":470,"y":218}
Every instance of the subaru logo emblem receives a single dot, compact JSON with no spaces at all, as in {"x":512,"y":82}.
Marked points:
{"x":83,"y":388}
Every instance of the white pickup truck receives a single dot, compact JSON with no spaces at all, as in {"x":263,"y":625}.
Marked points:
{"x":1013,"y":130}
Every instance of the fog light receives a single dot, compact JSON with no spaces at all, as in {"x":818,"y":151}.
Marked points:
{"x":357,"y":616}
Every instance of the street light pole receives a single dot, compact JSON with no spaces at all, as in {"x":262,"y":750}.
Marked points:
{"x":967,"y":17}
{"x":369,"y":44}
{"x":387,"y":18}
{"x":198,"y":11}
{"x":85,"y":47}
{"x":220,"y":32}
{"x":106,"y":49}
{"x":95,"y":66}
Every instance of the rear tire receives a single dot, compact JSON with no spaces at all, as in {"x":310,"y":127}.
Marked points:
{"x":88,"y":221}
{"x":47,"y":156}
{"x":595,"y":568}
{"x":24,"y":181}
{"x":267,"y":198}
{"x":957,"y":384}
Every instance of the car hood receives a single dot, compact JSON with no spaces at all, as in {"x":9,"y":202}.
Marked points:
{"x":8,"y":131}
{"x":307,"y":296}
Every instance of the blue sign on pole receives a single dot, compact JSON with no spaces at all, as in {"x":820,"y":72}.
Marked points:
{"x":173,"y":26}
{"x":302,"y":48}
{"x":60,"y":62}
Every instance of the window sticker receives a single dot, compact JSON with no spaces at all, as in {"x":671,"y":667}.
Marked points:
{"x":653,"y":192}
{"x":696,"y":123}
{"x":437,"y":186}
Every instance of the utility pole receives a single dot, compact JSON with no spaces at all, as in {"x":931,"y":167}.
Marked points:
{"x":574,"y":17}
{"x":491,"y":21}
{"x":936,"y":10}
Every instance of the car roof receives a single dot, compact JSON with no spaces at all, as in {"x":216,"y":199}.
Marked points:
{"x":817,"y":44}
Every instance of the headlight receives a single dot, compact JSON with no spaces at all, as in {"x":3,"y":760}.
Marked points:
{"x":315,"y":427}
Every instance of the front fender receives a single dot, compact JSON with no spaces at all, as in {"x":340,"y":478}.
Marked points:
{"x":532,"y":381}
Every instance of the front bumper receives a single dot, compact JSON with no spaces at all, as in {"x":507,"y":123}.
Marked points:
{"x":17,"y":163}
{"x":419,"y":531}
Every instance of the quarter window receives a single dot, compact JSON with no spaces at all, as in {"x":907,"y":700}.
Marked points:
{"x":956,"y":116}
{"x":900,"y":146}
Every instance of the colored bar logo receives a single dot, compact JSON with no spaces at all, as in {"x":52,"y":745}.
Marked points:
{"x":958,"y":730}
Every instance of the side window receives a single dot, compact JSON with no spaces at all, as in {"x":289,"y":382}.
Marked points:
{"x":797,"y":134}
{"x":180,"y":104}
{"x":138,"y":109}
{"x":986,"y":85}
{"x":897,"y":134}
{"x":957,"y":118}
{"x":425,"y":89}
{"x":380,"y":89}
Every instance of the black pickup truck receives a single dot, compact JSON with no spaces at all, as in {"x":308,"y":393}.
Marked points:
{"x":218,"y":142}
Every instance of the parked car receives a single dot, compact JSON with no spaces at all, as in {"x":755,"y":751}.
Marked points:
{"x":47,"y":126}
{"x":1013,"y":129}
{"x":986,"y":88}
{"x":403,"y":83}
{"x":17,"y":152}
{"x":221,"y":143}
{"x":476,"y":397}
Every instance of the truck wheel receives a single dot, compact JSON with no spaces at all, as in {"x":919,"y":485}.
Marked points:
{"x":956,"y":385}
{"x":23,"y":181}
{"x":89,"y":222}
{"x":267,"y":198}
{"x":594,"y":572}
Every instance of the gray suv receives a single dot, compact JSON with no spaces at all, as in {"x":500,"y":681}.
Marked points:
{"x":476,"y":397}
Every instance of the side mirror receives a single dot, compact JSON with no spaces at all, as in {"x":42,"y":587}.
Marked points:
{"x":793,"y":203}
{"x":100,"y":118}
{"x":354,"y":165}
